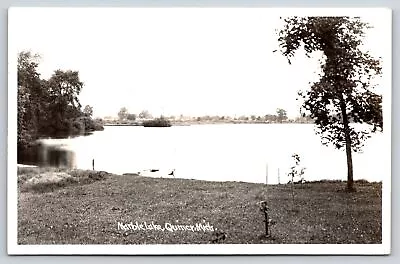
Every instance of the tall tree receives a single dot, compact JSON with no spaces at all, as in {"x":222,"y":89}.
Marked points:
{"x":30,"y":94}
{"x":344,"y":93}
{"x":64,"y":88}
{"x":282,"y":114}
{"x":123,"y":113}
{"x":88,"y":111}
{"x":145,"y":114}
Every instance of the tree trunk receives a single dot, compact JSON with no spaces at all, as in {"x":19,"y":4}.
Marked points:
{"x":350,"y":186}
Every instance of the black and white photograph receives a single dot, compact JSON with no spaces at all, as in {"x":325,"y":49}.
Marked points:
{"x":184,"y":130}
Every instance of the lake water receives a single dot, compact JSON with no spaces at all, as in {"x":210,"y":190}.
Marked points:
{"x":226,"y":152}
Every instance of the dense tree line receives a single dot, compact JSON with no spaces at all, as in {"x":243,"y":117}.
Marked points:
{"x":49,"y":107}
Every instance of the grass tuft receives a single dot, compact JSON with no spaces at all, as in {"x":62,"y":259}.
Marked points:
{"x":43,"y":180}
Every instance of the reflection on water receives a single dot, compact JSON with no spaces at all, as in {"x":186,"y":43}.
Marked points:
{"x":55,"y":155}
{"x":248,"y":152}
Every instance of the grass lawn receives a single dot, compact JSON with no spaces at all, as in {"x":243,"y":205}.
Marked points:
{"x":84,"y":207}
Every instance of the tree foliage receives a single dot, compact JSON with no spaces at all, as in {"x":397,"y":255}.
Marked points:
{"x":123,"y":113}
{"x":63,"y":89}
{"x":131,"y":117}
{"x":282,"y":114}
{"x":344,"y":93}
{"x":88,"y":110}
{"x":145,"y":114}
{"x":29,"y":93}
{"x":48,"y":107}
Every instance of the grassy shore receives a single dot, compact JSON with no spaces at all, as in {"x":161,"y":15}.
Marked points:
{"x":84,"y":207}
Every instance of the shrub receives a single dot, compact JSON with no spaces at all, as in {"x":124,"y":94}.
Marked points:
{"x":296,"y":172}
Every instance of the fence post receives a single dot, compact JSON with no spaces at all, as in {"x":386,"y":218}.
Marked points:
{"x":279,"y":177}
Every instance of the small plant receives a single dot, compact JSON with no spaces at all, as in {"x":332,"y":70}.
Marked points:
{"x":219,"y":237}
{"x":268,"y":222}
{"x":296,"y":173}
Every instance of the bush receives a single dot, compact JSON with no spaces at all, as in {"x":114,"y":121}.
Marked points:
{"x":158,"y":122}
{"x":87,"y":124}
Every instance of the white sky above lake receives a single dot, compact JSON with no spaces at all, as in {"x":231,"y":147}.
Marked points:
{"x":172,"y":61}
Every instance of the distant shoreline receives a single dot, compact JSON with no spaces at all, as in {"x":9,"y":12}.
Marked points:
{"x":188,"y":123}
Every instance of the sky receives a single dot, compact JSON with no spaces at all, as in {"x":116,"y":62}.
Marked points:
{"x":173,"y":61}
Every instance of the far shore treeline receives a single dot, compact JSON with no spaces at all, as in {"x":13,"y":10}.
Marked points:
{"x":49,"y":107}
{"x":127,"y":118}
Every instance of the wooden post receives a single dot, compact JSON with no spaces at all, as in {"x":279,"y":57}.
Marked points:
{"x":266,"y":222}
{"x":93,"y":164}
{"x":279,"y":177}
